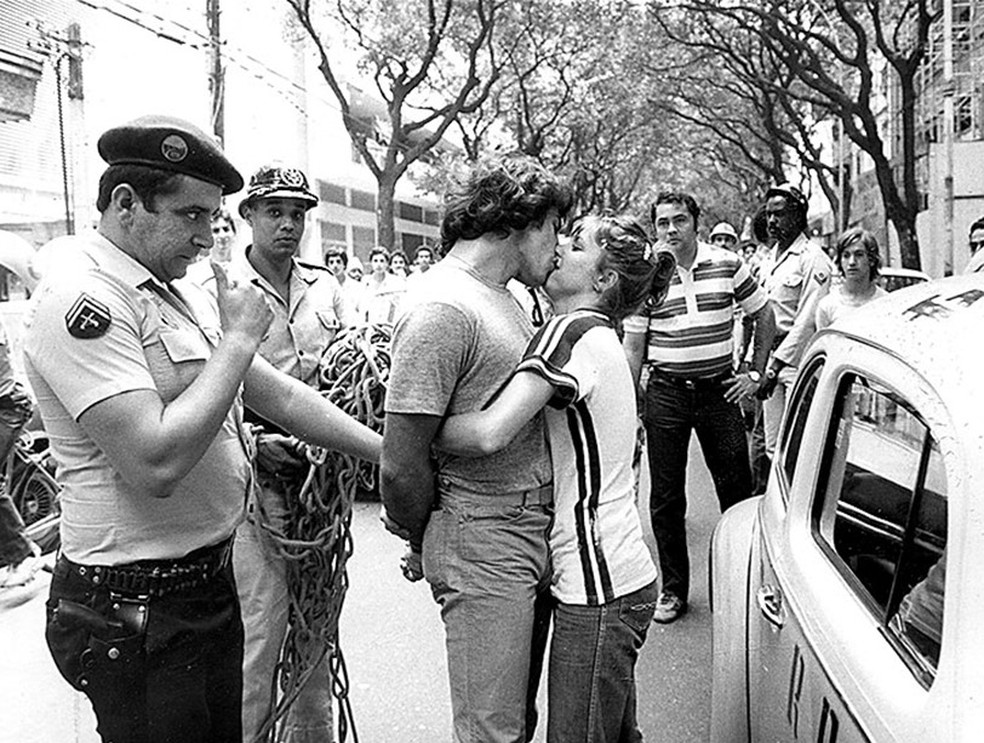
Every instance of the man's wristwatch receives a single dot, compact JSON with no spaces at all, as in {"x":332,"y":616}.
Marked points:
{"x":755,"y":376}
{"x":771,"y":373}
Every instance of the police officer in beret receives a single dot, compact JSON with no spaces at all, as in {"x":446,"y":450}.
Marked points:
{"x":308,"y":311}
{"x":141,"y":381}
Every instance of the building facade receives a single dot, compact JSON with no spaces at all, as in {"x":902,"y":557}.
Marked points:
{"x":69,"y":69}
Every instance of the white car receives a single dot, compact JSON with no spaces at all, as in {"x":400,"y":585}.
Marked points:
{"x":834,"y":615}
{"x":891,"y":278}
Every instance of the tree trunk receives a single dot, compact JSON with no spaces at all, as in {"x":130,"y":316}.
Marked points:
{"x":385,"y":210}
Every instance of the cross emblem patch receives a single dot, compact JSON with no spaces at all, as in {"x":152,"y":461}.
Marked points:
{"x":87,"y":318}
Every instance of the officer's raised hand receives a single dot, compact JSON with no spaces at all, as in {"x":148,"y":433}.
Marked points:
{"x":242,"y":307}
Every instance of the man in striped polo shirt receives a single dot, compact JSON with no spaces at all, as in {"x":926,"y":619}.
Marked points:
{"x":687,"y":343}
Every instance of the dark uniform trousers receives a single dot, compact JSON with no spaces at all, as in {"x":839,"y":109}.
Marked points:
{"x":674,"y":408}
{"x":161,"y":661}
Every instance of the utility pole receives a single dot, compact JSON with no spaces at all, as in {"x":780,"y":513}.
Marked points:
{"x":948,"y":91}
{"x":60,"y":47}
{"x":216,"y":77}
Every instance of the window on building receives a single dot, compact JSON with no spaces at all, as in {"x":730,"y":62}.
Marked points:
{"x":331,"y":193}
{"x":363,"y":200}
{"x":332,"y":232}
{"x":881,"y":516}
{"x":432,"y":216}
{"x":410,"y":212}
{"x":411,"y":242}
{"x":963,"y":115}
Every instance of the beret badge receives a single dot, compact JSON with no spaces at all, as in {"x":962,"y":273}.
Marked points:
{"x":174,"y":148}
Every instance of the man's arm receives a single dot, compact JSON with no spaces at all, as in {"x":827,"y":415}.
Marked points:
{"x":742,"y":385}
{"x":765,"y":332}
{"x":406,"y":475}
{"x":306,"y":413}
{"x":153,"y":444}
{"x":634,"y":345}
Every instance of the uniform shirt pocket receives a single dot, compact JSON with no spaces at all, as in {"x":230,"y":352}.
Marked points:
{"x":793,"y":281}
{"x":175,"y":360}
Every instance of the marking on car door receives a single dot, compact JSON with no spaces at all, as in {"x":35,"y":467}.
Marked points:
{"x":827,"y":716}
{"x":795,"y":690}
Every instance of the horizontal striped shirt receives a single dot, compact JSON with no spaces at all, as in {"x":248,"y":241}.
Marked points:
{"x":596,"y":541}
{"x":691,"y":332}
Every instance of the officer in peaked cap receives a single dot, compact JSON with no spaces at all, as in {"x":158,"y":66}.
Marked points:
{"x":275,"y":182}
{"x":141,"y":381}
{"x":308,"y":311}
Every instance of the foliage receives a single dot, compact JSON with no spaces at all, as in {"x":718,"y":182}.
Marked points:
{"x":429,"y":60}
{"x":826,"y":55}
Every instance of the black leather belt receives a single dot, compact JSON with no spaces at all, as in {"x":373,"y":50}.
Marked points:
{"x":158,"y":577}
{"x":687,"y":383}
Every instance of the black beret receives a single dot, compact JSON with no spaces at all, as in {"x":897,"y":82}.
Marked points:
{"x":168,"y":143}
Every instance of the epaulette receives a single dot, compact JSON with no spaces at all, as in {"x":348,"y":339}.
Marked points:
{"x":317,"y":266}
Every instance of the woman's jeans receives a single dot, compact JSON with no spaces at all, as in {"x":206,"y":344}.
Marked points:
{"x":593,"y":654}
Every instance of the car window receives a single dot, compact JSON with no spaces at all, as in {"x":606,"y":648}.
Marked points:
{"x":882,"y":516}
{"x":799,"y":409}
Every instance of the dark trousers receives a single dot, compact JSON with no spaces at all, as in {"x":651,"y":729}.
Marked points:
{"x":14,"y":546}
{"x":176,"y":678}
{"x":671,"y":414}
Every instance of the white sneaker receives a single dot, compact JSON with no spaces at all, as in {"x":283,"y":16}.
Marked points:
{"x":23,"y":572}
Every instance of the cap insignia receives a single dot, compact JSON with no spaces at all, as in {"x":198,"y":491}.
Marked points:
{"x":174,"y":148}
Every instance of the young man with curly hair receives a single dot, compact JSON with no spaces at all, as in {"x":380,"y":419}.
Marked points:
{"x":482,"y":523}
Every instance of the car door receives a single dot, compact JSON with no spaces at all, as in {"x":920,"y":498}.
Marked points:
{"x":864,"y":523}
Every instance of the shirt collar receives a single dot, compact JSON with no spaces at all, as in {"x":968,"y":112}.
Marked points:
{"x":247,"y":270}
{"x":705,"y":254}
{"x":114,"y":261}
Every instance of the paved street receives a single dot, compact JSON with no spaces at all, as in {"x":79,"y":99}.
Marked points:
{"x":393,"y":641}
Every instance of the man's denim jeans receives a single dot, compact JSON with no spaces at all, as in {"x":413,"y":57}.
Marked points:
{"x":593,"y":654}
{"x":489,"y":569}
{"x":671,"y":415}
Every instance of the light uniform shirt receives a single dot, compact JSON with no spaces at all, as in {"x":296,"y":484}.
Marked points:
{"x":130,"y":333}
{"x":596,"y":542}
{"x":691,"y":334}
{"x":795,"y":282}
{"x":381,"y":301}
{"x":303,"y":326}
{"x":457,"y":344}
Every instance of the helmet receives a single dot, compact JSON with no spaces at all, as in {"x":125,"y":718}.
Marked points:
{"x":723,"y":228}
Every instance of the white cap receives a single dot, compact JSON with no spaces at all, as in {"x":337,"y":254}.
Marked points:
{"x":723,"y":228}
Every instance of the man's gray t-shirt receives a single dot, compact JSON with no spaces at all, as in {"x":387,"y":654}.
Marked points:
{"x":457,"y":345}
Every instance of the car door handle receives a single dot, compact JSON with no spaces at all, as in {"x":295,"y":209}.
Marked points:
{"x":770,"y":604}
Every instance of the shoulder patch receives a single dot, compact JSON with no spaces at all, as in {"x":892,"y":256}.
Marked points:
{"x":821,"y":277}
{"x":87,"y":318}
